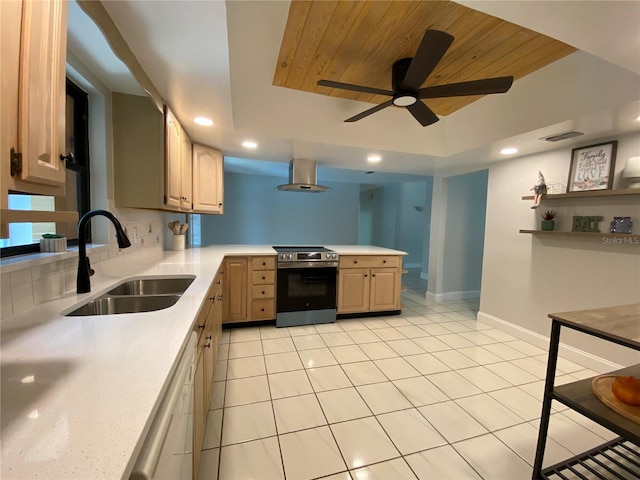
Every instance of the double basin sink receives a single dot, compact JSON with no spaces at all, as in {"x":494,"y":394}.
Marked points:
{"x":136,"y":296}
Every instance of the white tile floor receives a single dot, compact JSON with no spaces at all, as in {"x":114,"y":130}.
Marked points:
{"x":430,"y":394}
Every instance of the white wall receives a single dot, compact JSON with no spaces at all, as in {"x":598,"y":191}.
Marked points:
{"x":464,"y":233}
{"x":256,"y":213}
{"x":389,"y":218}
{"x":457,"y":236}
{"x":527,"y":277}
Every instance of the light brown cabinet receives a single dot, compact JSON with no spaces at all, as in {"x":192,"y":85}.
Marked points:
{"x":369,"y":283}
{"x":209,"y":329}
{"x":33,"y":38}
{"x":263,"y":279}
{"x":208,"y":180}
{"x":156,"y":166}
{"x":250,"y":289}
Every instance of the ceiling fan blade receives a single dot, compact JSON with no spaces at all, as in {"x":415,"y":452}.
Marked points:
{"x":473,"y":87}
{"x":422,"y":113}
{"x":355,"y":88}
{"x":366,"y":113}
{"x":431,"y":50}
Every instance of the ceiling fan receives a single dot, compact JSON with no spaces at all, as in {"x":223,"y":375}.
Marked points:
{"x":408,"y":75}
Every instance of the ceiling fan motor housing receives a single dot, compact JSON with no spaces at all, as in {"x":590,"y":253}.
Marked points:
{"x":398,"y":72}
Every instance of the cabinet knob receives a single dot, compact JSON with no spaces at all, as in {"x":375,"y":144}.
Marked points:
{"x":373,"y":274}
{"x":212,"y":298}
{"x":355,"y":261}
{"x":263,"y":278}
{"x":262,"y":309}
{"x":219,"y":204}
{"x":366,"y":276}
{"x":384,"y":261}
{"x":201,"y":326}
{"x":208,"y":345}
{"x":264,"y":264}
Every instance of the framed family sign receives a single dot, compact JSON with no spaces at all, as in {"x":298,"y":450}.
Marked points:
{"x":592,"y":167}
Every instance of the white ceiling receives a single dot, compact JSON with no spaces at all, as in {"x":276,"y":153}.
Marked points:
{"x":217,"y":59}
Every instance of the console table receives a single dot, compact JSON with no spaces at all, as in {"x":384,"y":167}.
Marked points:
{"x":620,"y":325}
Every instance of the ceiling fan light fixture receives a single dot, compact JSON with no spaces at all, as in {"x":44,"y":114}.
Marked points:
{"x":404,"y":100}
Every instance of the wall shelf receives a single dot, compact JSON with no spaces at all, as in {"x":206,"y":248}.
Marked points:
{"x":635,"y":239}
{"x":589,"y":194}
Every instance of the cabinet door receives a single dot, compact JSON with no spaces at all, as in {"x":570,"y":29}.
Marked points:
{"x":186,"y":198}
{"x":385,"y":289}
{"x":173,"y":164}
{"x":353,"y":290}
{"x":208,"y":180}
{"x":235,"y":289}
{"x":42,"y":97}
{"x":199,"y":412}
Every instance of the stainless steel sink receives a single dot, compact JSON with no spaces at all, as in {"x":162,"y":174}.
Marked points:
{"x":153,"y":286}
{"x":112,"y":305}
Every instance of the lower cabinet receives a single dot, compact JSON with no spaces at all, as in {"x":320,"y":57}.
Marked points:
{"x":209,"y":328}
{"x":369,"y":283}
{"x":250,"y":289}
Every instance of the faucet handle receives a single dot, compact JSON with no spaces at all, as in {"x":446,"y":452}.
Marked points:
{"x":91,"y":270}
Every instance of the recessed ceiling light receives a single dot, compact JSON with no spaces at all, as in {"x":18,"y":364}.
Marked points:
{"x":638,"y":118}
{"x":204,"y":121}
{"x":374,"y":158}
{"x":249,"y":144}
{"x":509,"y":151}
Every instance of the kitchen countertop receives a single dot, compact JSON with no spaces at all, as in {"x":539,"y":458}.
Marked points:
{"x":79,"y":393}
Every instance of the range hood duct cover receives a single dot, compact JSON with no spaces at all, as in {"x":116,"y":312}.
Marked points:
{"x":302,"y":177}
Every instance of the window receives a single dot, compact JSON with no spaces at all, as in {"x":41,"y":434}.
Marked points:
{"x":25,"y":237}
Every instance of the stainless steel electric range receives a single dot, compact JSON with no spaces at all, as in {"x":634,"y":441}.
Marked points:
{"x":306,"y":285}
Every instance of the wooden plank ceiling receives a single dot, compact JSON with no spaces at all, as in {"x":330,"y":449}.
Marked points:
{"x":358,"y":41}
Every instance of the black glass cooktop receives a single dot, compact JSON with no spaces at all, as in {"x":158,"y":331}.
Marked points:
{"x":305,"y":248}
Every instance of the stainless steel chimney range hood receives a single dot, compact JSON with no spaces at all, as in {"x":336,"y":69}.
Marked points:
{"x":302,"y":177}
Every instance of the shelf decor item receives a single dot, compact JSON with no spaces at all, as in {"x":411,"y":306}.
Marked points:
{"x":586,"y":223}
{"x":621,"y":225}
{"x":592,"y":167}
{"x":548,"y":220}
{"x":631,"y":172}
{"x":52,"y":242}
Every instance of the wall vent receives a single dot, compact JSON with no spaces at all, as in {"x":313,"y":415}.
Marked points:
{"x":562,"y":136}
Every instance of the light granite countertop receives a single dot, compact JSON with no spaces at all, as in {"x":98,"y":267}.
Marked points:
{"x":79,"y":393}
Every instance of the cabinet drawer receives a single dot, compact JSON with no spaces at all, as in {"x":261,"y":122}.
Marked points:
{"x":263,"y":263}
{"x":369,"y":261}
{"x":263,"y":308}
{"x":263,"y":277}
{"x":263,"y":291}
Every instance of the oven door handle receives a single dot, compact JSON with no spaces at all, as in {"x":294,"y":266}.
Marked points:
{"x":307,"y":265}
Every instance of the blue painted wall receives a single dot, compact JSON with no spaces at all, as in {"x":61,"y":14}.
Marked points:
{"x":256,"y":213}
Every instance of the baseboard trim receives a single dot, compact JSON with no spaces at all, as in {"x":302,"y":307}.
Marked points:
{"x":576,"y":355}
{"x":448,"y":296}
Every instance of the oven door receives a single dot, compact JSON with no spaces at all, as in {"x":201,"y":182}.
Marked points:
{"x":310,"y":288}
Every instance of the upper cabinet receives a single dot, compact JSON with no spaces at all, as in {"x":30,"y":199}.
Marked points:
{"x":33,"y":42}
{"x":155,"y":164}
{"x":208,"y":180}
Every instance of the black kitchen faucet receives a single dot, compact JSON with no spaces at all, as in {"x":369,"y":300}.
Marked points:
{"x":83,"y":283}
